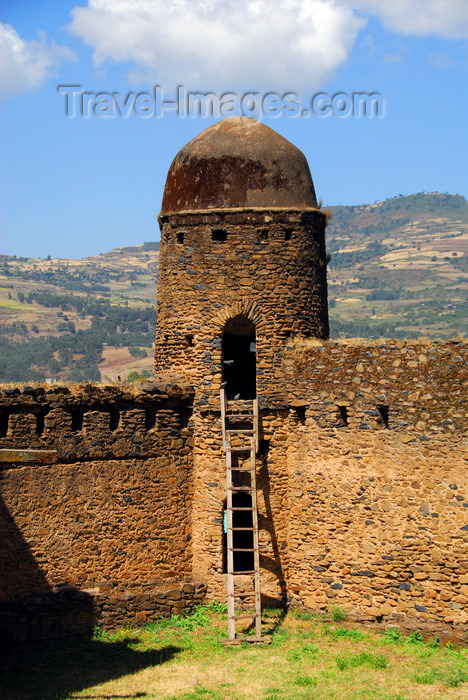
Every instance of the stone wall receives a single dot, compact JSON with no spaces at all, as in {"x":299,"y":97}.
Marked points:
{"x":377,"y":460}
{"x":267,"y":265}
{"x":362,"y":477}
{"x":421,"y":383}
{"x":363,"y":498}
{"x":86,"y":422}
{"x":71,"y":611}
{"x":109,"y":517}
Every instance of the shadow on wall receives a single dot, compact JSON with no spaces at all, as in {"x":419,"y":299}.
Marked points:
{"x":272,"y":564}
{"x":55,"y":669}
{"x":31,"y":612}
{"x":20,"y":574}
{"x":29,"y":609}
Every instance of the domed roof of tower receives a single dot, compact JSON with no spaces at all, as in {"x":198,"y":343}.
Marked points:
{"x":238,"y":162}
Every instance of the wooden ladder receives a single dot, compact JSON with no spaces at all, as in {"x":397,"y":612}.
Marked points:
{"x":246,"y":412}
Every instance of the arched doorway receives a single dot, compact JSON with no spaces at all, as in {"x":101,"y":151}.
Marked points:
{"x":239,"y":358}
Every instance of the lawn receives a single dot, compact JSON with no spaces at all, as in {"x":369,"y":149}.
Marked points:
{"x":309,"y":656}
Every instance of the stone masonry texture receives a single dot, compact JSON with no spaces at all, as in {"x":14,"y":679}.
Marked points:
{"x":107,"y":526}
{"x":271,"y":269}
{"x":362,"y":494}
{"x":362,"y":461}
{"x":362,"y":484}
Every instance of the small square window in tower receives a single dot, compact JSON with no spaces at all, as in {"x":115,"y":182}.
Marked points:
{"x":218,"y":235}
{"x":383,"y":416}
{"x":239,"y":358}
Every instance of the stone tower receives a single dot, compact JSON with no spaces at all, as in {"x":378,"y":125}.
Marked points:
{"x":242,"y":261}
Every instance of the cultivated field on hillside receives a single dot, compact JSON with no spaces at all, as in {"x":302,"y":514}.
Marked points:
{"x":398,"y":268}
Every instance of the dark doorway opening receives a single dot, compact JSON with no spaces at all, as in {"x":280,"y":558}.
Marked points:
{"x":4,"y":424}
{"x":342,"y":415}
{"x":114,"y":418}
{"x":40,"y":423}
{"x":239,"y":358}
{"x":77,"y":419}
{"x":242,"y":539}
{"x":383,"y":415}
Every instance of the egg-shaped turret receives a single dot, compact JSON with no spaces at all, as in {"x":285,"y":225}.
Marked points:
{"x":242,"y":264}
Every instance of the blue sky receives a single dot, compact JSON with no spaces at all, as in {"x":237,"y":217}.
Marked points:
{"x":72,"y":187}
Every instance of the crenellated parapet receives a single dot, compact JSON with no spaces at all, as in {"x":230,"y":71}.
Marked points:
{"x":417,"y":387}
{"x":87,"y":421}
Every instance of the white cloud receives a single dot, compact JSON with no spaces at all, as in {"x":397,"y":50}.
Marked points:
{"x":26,"y":65}
{"x":447,"y":19}
{"x":392,"y":58}
{"x":286,"y":44}
{"x":260,"y":44}
{"x":441,"y":61}
{"x":368,"y":45}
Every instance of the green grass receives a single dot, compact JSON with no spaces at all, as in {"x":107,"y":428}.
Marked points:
{"x":305,"y":681}
{"x":363,"y":658}
{"x":345,"y":633}
{"x":183,"y":658}
{"x":338,"y":615}
{"x":452,"y":678}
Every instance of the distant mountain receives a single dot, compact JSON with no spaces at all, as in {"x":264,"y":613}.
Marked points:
{"x":398,"y":268}
{"x":74,"y":320}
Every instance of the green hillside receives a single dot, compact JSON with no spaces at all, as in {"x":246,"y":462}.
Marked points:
{"x":398,"y":268}
{"x":74,"y":320}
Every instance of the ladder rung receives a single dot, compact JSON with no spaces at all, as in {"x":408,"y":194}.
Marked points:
{"x":240,"y":417}
{"x":239,"y":430}
{"x":241,"y":595}
{"x":243,"y":617}
{"x":246,"y":470}
{"x":239,"y":508}
{"x":239,"y":488}
{"x":240,"y":549}
{"x":242,"y":528}
{"x":240,"y":449}
{"x":234,"y":573}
